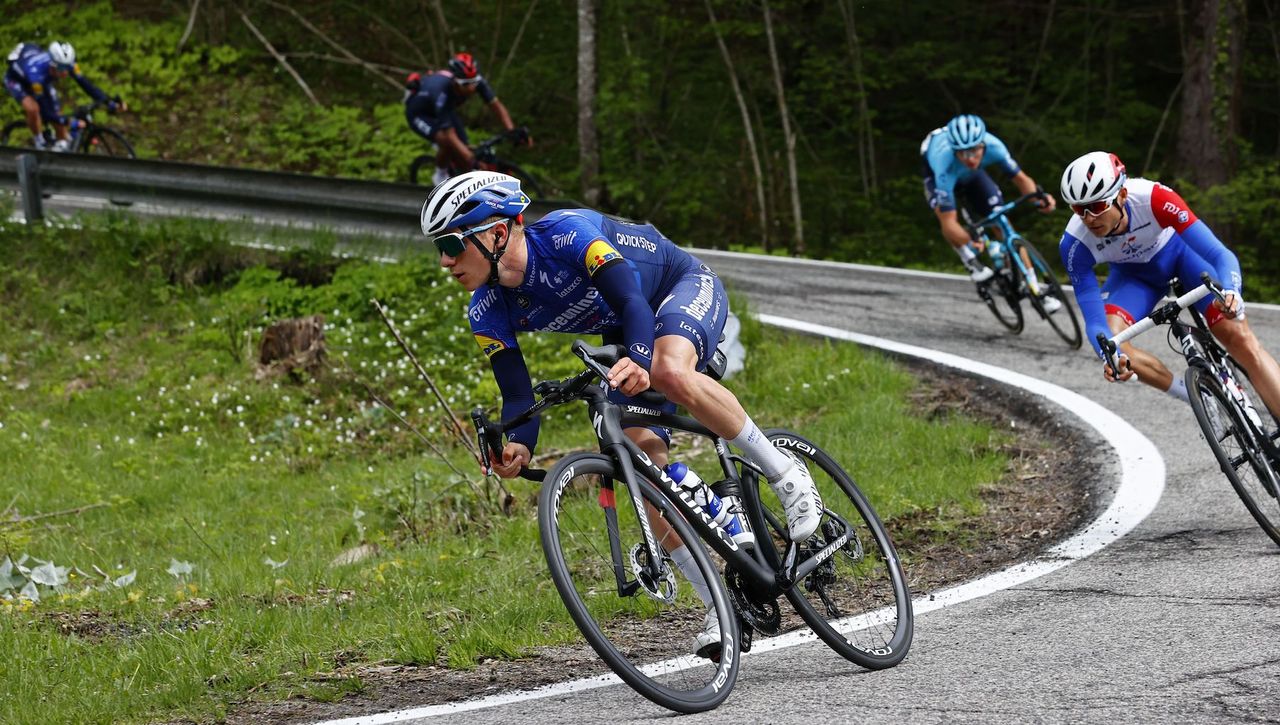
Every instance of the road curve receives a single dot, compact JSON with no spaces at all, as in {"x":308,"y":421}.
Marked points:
{"x":1174,"y":622}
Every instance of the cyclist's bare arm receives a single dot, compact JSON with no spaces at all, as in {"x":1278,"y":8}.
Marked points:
{"x":504,"y":118}
{"x":954,"y":233}
{"x":452,"y":151}
{"x":1027,"y":185}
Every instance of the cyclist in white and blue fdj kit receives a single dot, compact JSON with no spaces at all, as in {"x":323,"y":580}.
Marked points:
{"x":577,"y":270}
{"x":1147,"y":234}
{"x":954,"y":160}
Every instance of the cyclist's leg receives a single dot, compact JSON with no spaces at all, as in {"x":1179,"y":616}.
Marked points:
{"x":1236,"y":336}
{"x":688,"y":326}
{"x":1127,"y":299}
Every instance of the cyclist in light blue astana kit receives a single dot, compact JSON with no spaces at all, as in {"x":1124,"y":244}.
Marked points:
{"x":577,"y":270}
{"x":953,"y":161}
{"x":1147,"y":234}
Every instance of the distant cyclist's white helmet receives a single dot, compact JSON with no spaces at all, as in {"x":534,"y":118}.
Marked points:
{"x":1096,"y":176}
{"x":471,"y":198}
{"x":63,"y":54}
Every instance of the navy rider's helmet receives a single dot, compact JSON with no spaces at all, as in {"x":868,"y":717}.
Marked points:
{"x":464,"y":67}
{"x":965,"y":131}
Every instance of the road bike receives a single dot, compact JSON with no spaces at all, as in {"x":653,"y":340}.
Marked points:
{"x":86,"y":135}
{"x":487,"y":159}
{"x":1021,"y":272}
{"x":1237,"y":425}
{"x":597,"y":514}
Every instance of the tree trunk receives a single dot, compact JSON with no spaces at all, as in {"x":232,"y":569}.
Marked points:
{"x":1210,"y":119}
{"x":588,"y":147}
{"x":866,"y":130}
{"x":746,"y":127}
{"x":787,"y":134}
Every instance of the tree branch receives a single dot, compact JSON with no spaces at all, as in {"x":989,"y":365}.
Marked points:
{"x":394,"y":82}
{"x":191,"y":23}
{"x":279,"y":58}
{"x":511,"y":52}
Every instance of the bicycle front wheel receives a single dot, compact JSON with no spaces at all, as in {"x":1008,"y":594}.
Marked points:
{"x":107,"y":142}
{"x":645,"y":629}
{"x":422,"y":168}
{"x":1064,"y":322}
{"x":1239,"y":453}
{"x":857,"y":601}
{"x":1001,"y":295}
{"x":8,"y":138}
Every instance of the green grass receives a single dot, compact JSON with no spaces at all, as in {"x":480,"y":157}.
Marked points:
{"x":126,"y":392}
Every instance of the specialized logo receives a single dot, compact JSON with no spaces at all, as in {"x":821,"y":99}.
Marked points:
{"x":637,"y":241}
{"x":564,"y":240}
{"x":489,"y":345}
{"x":600,"y":253}
{"x":640,"y":410}
{"x":687,"y":496}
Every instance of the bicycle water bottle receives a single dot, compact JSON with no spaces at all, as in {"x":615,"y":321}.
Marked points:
{"x":995,"y":248}
{"x":713,"y":504}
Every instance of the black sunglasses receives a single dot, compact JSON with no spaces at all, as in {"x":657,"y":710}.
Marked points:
{"x":453,"y":243}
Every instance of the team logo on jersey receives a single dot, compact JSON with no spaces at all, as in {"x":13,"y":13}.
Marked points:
{"x":564,"y":240}
{"x":600,"y":253}
{"x":1182,"y":216}
{"x":523,"y":301}
{"x":490,"y":346}
{"x":641,"y":349}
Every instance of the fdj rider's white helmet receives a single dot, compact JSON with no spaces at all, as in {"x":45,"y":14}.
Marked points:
{"x":965,"y":131}
{"x":1096,"y":176}
{"x":62,"y":54}
{"x":465,"y":201}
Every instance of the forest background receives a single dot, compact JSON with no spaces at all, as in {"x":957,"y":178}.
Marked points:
{"x":789,"y":126}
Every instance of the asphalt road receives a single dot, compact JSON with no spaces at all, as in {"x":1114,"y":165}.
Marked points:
{"x":1174,"y":622}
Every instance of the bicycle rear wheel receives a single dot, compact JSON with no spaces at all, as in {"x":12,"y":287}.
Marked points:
{"x":8,"y":138}
{"x":857,"y":601}
{"x":423,"y":166}
{"x":645,"y":631}
{"x":106,"y":142}
{"x":1001,"y":295}
{"x":1239,"y":454}
{"x":1064,"y":322}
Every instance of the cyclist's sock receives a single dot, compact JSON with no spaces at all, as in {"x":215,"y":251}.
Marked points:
{"x":1179,"y":389}
{"x":756,"y":446}
{"x":967,"y":255}
{"x":686,"y":565}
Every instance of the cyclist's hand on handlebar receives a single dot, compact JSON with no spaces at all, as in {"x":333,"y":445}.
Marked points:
{"x":1230,"y":309}
{"x":628,"y":377}
{"x":1126,"y":370}
{"x":514,"y":457}
{"x":1046,"y":202}
{"x":520,"y":136}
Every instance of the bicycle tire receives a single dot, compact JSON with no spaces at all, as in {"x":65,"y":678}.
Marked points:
{"x":415,"y":169}
{"x":8,"y":130}
{"x":1000,"y":293}
{"x":528,"y":182}
{"x":106,"y":141}
{"x":1239,"y":456}
{"x":645,"y":641}
{"x":867,"y":616}
{"x":1050,"y":287}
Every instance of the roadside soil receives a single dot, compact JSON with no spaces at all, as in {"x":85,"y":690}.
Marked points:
{"x":1042,"y":498}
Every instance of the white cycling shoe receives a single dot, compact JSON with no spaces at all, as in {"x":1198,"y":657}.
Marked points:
{"x":707,"y":642}
{"x":1051,"y":304}
{"x":980,"y":275}
{"x":800,"y":498}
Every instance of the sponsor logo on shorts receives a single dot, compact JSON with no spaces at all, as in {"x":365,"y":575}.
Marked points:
{"x":701,"y":304}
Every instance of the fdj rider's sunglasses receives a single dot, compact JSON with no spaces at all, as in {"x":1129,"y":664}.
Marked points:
{"x":1093,"y":208}
{"x":453,"y":243}
{"x":971,"y":152}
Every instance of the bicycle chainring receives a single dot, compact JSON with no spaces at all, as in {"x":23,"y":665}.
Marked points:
{"x":662,"y":589}
{"x":762,"y":615}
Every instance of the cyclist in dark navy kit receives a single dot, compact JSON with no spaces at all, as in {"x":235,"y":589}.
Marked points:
{"x":430,"y":107}
{"x":953,"y":161}
{"x":30,"y":79}
{"x":1147,"y":234}
{"x":577,"y":270}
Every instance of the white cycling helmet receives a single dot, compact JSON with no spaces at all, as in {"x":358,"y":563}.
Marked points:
{"x":1096,"y":176}
{"x":470,"y":199}
{"x":63,"y":54}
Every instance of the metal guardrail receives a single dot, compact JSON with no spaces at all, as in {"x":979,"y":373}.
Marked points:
{"x":346,"y":206}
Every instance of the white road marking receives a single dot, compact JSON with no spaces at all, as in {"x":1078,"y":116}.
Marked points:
{"x":1142,"y":475}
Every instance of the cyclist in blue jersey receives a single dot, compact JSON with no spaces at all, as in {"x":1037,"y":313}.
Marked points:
{"x":31,"y":78}
{"x":577,"y":270}
{"x":1147,"y":234}
{"x":953,"y":162}
{"x":430,"y":107}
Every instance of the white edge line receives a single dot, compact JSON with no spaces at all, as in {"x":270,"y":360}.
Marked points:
{"x":1142,"y":475}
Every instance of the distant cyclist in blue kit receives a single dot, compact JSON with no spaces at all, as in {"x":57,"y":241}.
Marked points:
{"x":577,"y":270}
{"x":31,"y":78}
{"x":953,"y":160}
{"x":431,"y":108}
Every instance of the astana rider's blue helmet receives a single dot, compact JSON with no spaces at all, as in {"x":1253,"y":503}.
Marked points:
{"x":965,"y":131}
{"x":469,"y":199}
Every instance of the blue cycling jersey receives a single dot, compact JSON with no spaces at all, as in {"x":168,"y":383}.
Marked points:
{"x":30,"y":73}
{"x":434,"y":105}
{"x":948,"y":171}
